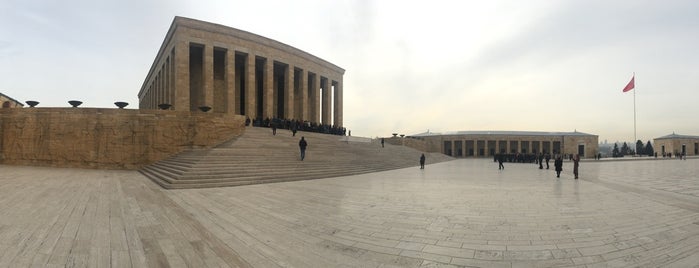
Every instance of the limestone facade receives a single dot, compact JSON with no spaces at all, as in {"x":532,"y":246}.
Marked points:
{"x":489,"y":143}
{"x":238,"y":72}
{"x":7,"y":102}
{"x":677,"y":144}
{"x":107,"y":138}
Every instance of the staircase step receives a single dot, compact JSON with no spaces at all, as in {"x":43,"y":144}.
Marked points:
{"x":259,"y":157}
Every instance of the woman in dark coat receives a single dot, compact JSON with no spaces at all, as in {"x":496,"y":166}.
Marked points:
{"x":558,"y":163}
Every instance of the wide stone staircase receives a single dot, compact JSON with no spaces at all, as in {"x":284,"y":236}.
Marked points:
{"x":260,"y":157}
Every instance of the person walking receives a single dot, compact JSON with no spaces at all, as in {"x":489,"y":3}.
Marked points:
{"x":548,"y":157}
{"x":558,"y":164}
{"x":274,"y":128}
{"x":576,"y":163}
{"x":302,"y":146}
{"x":541,"y":160}
{"x":501,"y":158}
{"x":381,"y":142}
{"x":422,"y":161}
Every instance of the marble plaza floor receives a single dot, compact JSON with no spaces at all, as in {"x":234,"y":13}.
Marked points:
{"x":452,"y":214}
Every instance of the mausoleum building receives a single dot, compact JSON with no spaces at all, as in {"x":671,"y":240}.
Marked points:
{"x":202,"y":64}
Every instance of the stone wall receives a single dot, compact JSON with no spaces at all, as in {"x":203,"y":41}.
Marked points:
{"x":107,"y":138}
{"x":416,"y":144}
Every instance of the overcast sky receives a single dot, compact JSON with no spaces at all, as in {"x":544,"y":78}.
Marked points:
{"x":410,"y":65}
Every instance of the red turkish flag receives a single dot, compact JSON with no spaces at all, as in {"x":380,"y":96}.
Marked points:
{"x":630,"y":85}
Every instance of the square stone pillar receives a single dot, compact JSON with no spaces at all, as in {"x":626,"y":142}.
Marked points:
{"x":268,"y":90}
{"x":337,"y":108}
{"x":171,"y":99}
{"x":327,"y":101}
{"x":230,"y":82}
{"x":250,"y":96}
{"x":315,"y":100}
{"x":181,"y":76}
{"x":167,"y":80}
{"x":302,"y":103}
{"x":453,"y":148}
{"x":208,"y":73}
{"x":519,"y":146}
{"x":485,"y":148}
{"x":289,"y":93}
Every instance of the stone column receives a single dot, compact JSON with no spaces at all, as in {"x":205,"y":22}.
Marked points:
{"x":302,"y":108}
{"x":337,"y":109}
{"x":268,"y":90}
{"x":208,"y":73}
{"x":161,"y":87}
{"x":181,"y":76}
{"x":453,"y":148}
{"x":485,"y":147}
{"x":550,"y":146}
{"x":519,"y":146}
{"x":289,"y":93}
{"x":167,"y":80}
{"x":230,"y":82}
{"x":250,"y":96}
{"x":171,"y":99}
{"x":327,"y":101}
{"x":315,"y":99}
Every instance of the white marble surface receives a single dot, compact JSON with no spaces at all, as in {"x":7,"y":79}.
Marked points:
{"x":459,"y":213}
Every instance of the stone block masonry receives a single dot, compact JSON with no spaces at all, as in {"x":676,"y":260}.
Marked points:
{"x":107,"y":138}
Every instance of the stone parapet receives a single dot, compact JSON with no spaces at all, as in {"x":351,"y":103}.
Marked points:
{"x":108,"y":138}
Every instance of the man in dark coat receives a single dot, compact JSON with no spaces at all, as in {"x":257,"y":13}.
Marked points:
{"x":576,"y":163}
{"x":422,"y":161}
{"x":548,"y":157}
{"x":501,"y":158}
{"x":558,"y":163}
{"x":302,"y":146}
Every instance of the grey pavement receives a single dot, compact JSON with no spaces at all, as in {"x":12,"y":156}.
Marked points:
{"x":461,"y":213}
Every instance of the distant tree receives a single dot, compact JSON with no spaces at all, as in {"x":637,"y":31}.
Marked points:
{"x":639,"y":147}
{"x":624,"y":149}
{"x":649,"y":149}
{"x":615,"y":151}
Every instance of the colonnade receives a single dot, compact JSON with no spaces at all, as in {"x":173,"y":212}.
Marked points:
{"x":240,"y":81}
{"x":486,"y":148}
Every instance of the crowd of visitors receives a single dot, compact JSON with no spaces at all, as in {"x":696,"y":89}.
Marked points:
{"x":539,"y":159}
{"x":296,"y":125}
{"x":517,"y":158}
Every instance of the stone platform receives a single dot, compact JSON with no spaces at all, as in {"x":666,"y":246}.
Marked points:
{"x":459,"y":213}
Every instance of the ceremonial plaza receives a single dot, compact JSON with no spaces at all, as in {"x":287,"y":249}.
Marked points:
{"x":183,"y":181}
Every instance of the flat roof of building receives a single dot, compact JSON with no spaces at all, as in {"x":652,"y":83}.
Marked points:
{"x":502,"y":133}
{"x":677,"y":136}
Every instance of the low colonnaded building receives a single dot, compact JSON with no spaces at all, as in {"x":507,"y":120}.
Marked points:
{"x":8,"y":102}
{"x":237,"y":72}
{"x":490,"y":143}
{"x":676,"y":144}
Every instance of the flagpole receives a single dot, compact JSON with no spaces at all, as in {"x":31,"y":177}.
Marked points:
{"x":634,"y":110}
